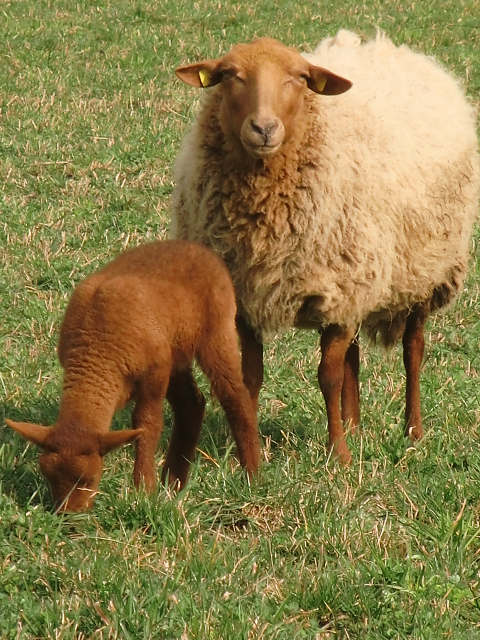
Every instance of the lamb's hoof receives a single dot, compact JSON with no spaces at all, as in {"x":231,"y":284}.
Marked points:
{"x":351,"y":426}
{"x":175,"y":481}
{"x":341,"y":452}
{"x":415,"y":433}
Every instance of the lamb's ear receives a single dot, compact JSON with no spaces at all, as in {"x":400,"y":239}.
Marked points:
{"x":114,"y":439}
{"x":201,"y":74}
{"x":325,"y":82}
{"x":31,"y":432}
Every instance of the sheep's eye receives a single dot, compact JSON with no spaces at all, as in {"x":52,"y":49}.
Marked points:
{"x":297,"y":79}
{"x":84,"y":484}
{"x":231,"y":74}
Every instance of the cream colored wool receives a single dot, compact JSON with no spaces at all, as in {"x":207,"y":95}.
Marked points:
{"x":366,"y":215}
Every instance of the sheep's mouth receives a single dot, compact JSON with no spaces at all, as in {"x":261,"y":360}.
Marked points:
{"x":261,"y":151}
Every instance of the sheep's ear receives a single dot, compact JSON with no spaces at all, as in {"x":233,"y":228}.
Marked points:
{"x":325,"y":82}
{"x":115,"y":439}
{"x":31,"y":432}
{"x":201,"y":74}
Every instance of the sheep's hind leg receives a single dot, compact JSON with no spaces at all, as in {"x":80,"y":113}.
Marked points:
{"x":221,"y":363}
{"x":148,"y":416}
{"x":252,"y":360}
{"x":350,"y":388}
{"x":413,"y":349}
{"x":188,"y":406}
{"x":335,"y":342}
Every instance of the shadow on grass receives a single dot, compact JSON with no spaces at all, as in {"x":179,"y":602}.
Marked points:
{"x":20,"y":476}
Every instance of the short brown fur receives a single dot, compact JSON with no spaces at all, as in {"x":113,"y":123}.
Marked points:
{"x":131,"y":332}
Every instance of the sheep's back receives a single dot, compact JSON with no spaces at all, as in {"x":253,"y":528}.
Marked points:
{"x":413,"y":136}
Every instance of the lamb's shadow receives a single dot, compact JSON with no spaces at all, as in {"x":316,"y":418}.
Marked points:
{"x":20,"y":476}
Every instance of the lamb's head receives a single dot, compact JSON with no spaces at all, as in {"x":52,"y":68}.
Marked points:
{"x":263,"y":86}
{"x":72,"y":465}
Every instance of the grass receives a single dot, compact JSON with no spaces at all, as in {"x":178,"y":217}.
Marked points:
{"x":91,"y":120}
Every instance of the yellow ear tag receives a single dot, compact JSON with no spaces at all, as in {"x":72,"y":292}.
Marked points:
{"x":205,"y":77}
{"x":321,"y":84}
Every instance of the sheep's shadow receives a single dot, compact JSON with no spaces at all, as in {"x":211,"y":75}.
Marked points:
{"x":20,"y":477}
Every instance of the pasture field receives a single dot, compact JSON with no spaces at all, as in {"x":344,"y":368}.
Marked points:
{"x":91,"y":118}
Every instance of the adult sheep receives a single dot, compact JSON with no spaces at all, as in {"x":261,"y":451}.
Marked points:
{"x":352,"y":210}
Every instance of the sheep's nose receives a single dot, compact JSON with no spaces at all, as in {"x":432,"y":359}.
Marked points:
{"x":265,"y":129}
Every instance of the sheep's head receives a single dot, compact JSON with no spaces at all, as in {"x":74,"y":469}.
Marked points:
{"x":263,"y":86}
{"x":72,"y":466}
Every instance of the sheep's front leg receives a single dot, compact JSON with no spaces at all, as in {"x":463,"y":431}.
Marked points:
{"x":335,"y":342}
{"x":188,"y":406}
{"x":252,"y":360}
{"x":413,"y":349}
{"x":148,"y":416}
{"x":350,"y":388}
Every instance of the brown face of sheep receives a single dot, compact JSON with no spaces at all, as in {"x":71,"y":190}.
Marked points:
{"x":72,"y":467}
{"x":73,"y":479}
{"x":263,"y":86}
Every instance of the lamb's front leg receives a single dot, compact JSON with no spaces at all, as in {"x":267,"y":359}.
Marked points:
{"x":188,"y":406}
{"x":335,"y":342}
{"x":148,"y":416}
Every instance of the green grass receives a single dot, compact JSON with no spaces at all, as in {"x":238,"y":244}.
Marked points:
{"x":91,"y":119}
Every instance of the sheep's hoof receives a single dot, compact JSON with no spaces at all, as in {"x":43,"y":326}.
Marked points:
{"x":175,"y":481}
{"x":341,"y":452}
{"x":351,"y":426}
{"x":415,"y":433}
{"x":145,"y":482}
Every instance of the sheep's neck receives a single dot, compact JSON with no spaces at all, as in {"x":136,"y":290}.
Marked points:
{"x":89,"y":403}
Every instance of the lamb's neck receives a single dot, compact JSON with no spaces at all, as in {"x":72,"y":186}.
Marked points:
{"x":89,"y":403}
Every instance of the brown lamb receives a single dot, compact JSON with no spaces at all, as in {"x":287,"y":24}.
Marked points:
{"x":131,"y":332}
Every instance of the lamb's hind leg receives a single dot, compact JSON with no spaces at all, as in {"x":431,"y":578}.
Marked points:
{"x":413,"y":349}
{"x":221,"y":363}
{"x":188,"y":406}
{"x":148,"y":416}
{"x":335,"y":342}
{"x":350,"y":388}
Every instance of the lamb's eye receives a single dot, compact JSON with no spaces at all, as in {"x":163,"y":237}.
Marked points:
{"x":84,"y":484}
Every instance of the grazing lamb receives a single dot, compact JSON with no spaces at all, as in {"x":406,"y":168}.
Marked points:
{"x":131,"y":332}
{"x":336,"y":203}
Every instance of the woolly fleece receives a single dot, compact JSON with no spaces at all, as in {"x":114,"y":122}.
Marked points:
{"x":366,"y":216}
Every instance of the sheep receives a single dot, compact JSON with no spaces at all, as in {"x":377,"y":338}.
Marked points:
{"x":131,"y":332}
{"x":341,"y":188}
